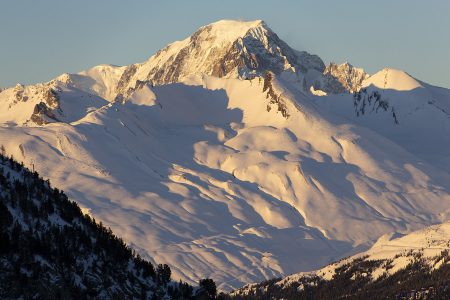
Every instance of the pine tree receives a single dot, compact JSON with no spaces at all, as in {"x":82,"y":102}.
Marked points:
{"x":207,"y":288}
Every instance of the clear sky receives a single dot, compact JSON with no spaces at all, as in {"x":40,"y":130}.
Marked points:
{"x":42,"y":39}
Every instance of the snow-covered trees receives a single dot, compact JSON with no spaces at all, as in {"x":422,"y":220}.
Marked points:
{"x":368,"y":102}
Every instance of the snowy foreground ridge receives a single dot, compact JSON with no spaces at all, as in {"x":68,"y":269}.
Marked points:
{"x":385,"y":268}
{"x":231,"y":155}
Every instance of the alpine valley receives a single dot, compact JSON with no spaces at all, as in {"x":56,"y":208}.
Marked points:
{"x":229,"y":155}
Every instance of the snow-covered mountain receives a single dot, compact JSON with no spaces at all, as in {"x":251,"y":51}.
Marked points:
{"x":214,"y":156}
{"x":227,"y":48}
{"x":394,"y":266}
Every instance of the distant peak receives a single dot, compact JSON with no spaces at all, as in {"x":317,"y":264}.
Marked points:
{"x":395,"y":79}
{"x":238,"y":23}
{"x":345,"y":65}
{"x":342,"y":78}
{"x":225,"y":31}
{"x":394,"y":70}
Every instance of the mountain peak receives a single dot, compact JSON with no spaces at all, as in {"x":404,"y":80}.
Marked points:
{"x":225,"y":32}
{"x":226,"y":48}
{"x":234,"y":25}
{"x":394,"y":79}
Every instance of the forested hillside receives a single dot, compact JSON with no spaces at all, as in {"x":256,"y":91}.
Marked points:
{"x":50,"y":250}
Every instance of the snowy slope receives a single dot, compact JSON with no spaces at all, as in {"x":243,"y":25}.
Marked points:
{"x":235,"y":179}
{"x":100,"y":80}
{"x":45,"y":103}
{"x":67,"y":98}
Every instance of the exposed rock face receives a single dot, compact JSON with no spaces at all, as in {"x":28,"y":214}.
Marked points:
{"x":43,"y":112}
{"x":64,"y":78}
{"x":19,"y":93}
{"x":274,"y":99}
{"x":125,"y":79}
{"x":51,"y":98}
{"x":310,"y":61}
{"x":341,"y":78}
{"x":39,"y":114}
{"x":222,"y":49}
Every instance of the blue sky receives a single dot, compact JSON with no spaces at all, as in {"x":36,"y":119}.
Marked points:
{"x":42,"y":39}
